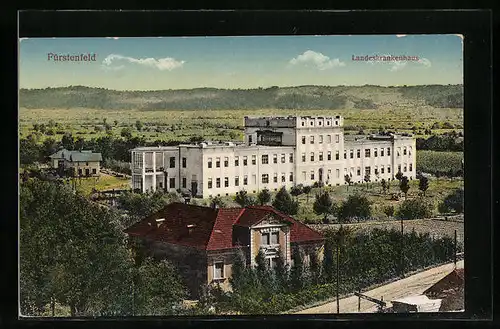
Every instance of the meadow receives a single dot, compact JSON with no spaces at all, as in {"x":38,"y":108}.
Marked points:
{"x":226,"y":124}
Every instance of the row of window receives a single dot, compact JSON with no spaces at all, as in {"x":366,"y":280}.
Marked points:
{"x":320,"y":123}
{"x":320,"y":139}
{"x":264,"y":160}
{"x":377,"y":171}
{"x":264,"y":178}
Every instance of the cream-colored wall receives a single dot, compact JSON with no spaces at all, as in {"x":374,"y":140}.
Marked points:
{"x":227,"y":258}
{"x":84,"y":165}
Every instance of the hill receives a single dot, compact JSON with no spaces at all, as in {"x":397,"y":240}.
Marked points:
{"x":301,"y":97}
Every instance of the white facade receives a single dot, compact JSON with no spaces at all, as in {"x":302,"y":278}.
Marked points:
{"x":277,"y":151}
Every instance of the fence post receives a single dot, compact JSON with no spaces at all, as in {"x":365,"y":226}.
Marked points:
{"x":359,"y":301}
{"x":455,"y":250}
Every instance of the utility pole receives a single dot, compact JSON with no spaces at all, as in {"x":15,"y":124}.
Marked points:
{"x":455,"y":250}
{"x":402,"y":253}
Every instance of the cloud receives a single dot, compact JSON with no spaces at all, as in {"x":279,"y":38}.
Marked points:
{"x":425,"y":62}
{"x":397,"y":65}
{"x":162,"y":64}
{"x":319,"y":60}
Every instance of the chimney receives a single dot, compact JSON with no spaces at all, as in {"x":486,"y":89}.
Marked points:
{"x":190,"y":228}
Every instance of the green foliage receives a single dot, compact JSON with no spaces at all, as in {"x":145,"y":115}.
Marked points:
{"x":117,"y":166}
{"x":399,"y":175}
{"x":384,"y":184}
{"x":284,"y":202}
{"x":440,"y":163}
{"x":297,"y":271}
{"x":139,"y":206}
{"x":389,"y":210}
{"x":323,"y":205}
{"x":455,"y":201}
{"x":414,"y":209}
{"x":442,"y":143}
{"x":355,"y":207}
{"x":404,"y":185}
{"x":297,"y":190}
{"x":264,"y":197}
{"x":217,"y":202}
{"x":138,"y":125}
{"x":243,"y":199}
{"x":306,"y":190}
{"x":423,"y":184}
{"x":348,"y":180}
{"x":126,"y":132}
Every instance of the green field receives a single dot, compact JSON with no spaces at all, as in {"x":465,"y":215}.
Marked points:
{"x":101,"y":183}
{"x":223,"y":124}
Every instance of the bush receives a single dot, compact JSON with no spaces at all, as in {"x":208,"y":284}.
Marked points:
{"x":414,"y":209}
{"x":389,"y":210}
{"x":356,"y":206}
{"x":454,"y":201}
{"x":440,"y":163}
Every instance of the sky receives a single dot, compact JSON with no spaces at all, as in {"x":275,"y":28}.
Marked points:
{"x":160,"y":63}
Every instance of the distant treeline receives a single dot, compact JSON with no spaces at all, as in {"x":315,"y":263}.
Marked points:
{"x":301,"y":97}
{"x":449,"y":142}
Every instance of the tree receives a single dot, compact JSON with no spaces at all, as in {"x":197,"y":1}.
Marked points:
{"x":29,"y":151}
{"x":297,"y":270}
{"x":238,"y":275}
{"x":356,"y":206}
{"x":281,"y":273}
{"x":217,"y":202}
{"x":139,"y":206}
{"x":284,"y":202}
{"x":383,"y":182}
{"x":115,"y":122}
{"x":389,"y":210}
{"x":367,"y":178}
{"x":126,"y":132}
{"x":79,"y":143}
{"x":264,"y":197}
{"x":404,"y":185}
{"x":455,"y":201}
{"x":306,"y":190}
{"x":49,"y":147}
{"x":399,"y":175}
{"x":423,"y":184}
{"x":315,"y":268}
{"x":138,"y":125}
{"x":414,"y":209}
{"x":323,"y":205}
{"x":243,"y":199}
{"x":261,"y":266}
{"x":108,"y":127}
{"x":68,"y":141}
{"x":296,"y":190}
{"x":347,"y":179}
{"x":328,"y":261}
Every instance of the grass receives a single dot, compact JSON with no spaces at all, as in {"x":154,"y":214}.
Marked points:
{"x":223,"y":124}
{"x":101,"y":183}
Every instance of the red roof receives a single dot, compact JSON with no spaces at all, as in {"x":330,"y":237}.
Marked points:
{"x":454,"y":280}
{"x":211,"y":229}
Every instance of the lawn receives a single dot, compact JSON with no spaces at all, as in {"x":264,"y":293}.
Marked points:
{"x":101,"y":183}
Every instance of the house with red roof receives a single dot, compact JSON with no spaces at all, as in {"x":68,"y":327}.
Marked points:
{"x":202,"y":242}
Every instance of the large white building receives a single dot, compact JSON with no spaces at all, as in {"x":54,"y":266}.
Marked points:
{"x":276,"y":152}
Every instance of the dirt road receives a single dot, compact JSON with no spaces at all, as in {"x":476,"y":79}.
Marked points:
{"x":412,"y":285}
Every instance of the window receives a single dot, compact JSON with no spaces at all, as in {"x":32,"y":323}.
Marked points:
{"x":329,"y":139}
{"x":283,"y":177}
{"x":376,"y":170}
{"x":320,"y":123}
{"x":184,"y":182}
{"x":303,"y":123}
{"x":329,"y":156}
{"x":304,"y":174}
{"x":337,"y":139}
{"x":358,"y":171}
{"x":265,"y":178}
{"x":219,"y":270}
{"x":275,"y":158}
{"x":367,"y":170}
{"x":209,"y":182}
{"x":254,"y":159}
{"x":172,"y":182}
{"x":358,"y":154}
{"x":312,"y":174}
{"x":345,"y":154}
{"x":411,"y":166}
{"x":265,"y":159}
{"x":367,"y":153}
{"x":160,"y":184}
{"x":398,"y":152}
{"x":351,"y":154}
{"x":217,"y":162}
{"x":265,"y":239}
{"x":320,"y":156}
{"x":328,"y":123}
{"x":404,"y":168}
{"x":94,"y":171}
{"x":172,"y":162}
{"x":303,"y":138}
{"x":404,"y":150}
{"x":381,"y":152}
{"x":209,"y":162}
{"x":217,"y":182}
{"x":245,"y":180}
{"x":283,"y":158}
{"x":375,"y":152}
{"x":337,"y":173}
{"x":320,"y":139}
{"x":303,"y":157}
{"x":388,"y":151}
{"x":337,"y":156}
{"x":237,"y":181}
{"x":184,"y":162}
{"x":336,"y":123}
{"x":291,"y":177}
{"x":290,"y":158}
{"x":275,"y":237}
{"x":409,"y":150}
{"x":312,"y":139}
{"x":399,"y":168}
{"x":236,"y":161}
{"x":312,"y":123}
{"x":382,"y":169}
{"x":226,"y":162}
{"x":275,"y":178}
{"x":245,"y":160}
{"x":250,"y":139}
{"x":329,"y":173}
{"x":312,"y":156}
{"x":226,"y":181}
{"x":388,"y":169}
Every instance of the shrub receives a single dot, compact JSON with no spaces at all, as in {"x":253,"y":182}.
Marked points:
{"x":455,"y":201}
{"x":389,"y":210}
{"x":414,"y":208}
{"x":356,"y":206}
